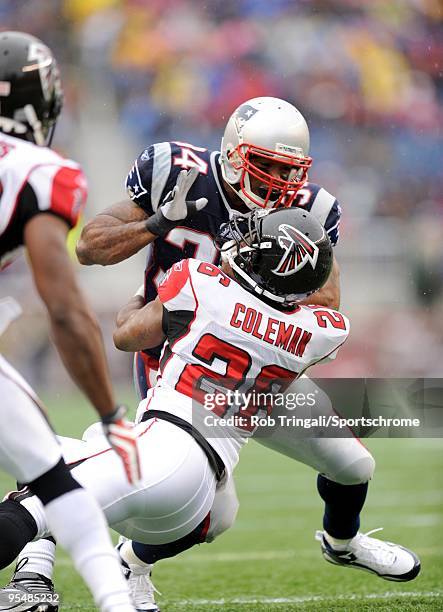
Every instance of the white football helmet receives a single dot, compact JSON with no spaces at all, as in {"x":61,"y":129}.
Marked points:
{"x":267,"y":129}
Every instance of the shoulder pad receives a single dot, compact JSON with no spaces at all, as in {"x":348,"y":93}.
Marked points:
{"x":323,"y":205}
{"x":176,"y":291}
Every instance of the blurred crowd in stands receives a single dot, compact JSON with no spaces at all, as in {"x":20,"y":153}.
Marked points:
{"x":367,"y":74}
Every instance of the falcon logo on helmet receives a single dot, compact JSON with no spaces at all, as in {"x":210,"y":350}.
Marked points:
{"x":299,"y":250}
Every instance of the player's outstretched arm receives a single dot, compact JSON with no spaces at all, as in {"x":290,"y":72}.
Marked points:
{"x":114,"y":235}
{"x":74,"y":327}
{"x":139,"y":326}
{"x":329,"y":294}
{"x":123,"y":229}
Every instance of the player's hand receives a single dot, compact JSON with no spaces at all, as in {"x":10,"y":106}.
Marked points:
{"x":175,"y":207}
{"x":123,"y":439}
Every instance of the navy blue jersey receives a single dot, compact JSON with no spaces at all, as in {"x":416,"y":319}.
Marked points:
{"x":154,"y":175}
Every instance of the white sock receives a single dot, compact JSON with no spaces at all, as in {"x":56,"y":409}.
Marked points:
{"x":39,"y":556}
{"x":78,"y":525}
{"x":336,"y":543}
{"x":128,"y":555}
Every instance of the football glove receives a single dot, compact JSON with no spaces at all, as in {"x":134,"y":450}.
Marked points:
{"x":175,"y":208}
{"x":123,"y":439}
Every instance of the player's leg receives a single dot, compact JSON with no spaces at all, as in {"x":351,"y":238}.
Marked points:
{"x":30,"y":452}
{"x":344,"y":463}
{"x":176,"y":491}
{"x":138,"y":561}
{"x":345,"y":467}
{"x":170,"y":503}
{"x":344,"y":498}
{"x":225,"y":507}
{"x":220,"y":518}
{"x":138,"y":558}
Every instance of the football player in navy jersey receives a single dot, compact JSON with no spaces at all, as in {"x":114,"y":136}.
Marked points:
{"x":181,"y":197}
{"x":263,"y":163}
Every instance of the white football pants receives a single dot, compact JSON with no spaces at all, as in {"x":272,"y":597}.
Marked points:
{"x":174,"y":496}
{"x":28,"y":446}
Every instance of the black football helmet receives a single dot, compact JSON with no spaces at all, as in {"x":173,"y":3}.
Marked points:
{"x":31,"y":95}
{"x":280,"y":255}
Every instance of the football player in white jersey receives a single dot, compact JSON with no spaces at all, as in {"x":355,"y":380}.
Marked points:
{"x":223,"y":329}
{"x":181,"y":194}
{"x":41,"y":195}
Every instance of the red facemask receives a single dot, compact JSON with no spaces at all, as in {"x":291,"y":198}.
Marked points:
{"x":276,"y":191}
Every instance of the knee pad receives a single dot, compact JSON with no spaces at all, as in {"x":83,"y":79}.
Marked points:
{"x":222,"y":522}
{"x":224,"y":510}
{"x":54,"y":483}
{"x":17,"y":528}
{"x":358,"y":472}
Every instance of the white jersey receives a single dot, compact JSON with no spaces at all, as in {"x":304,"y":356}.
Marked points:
{"x":219,"y":336}
{"x":34,"y":180}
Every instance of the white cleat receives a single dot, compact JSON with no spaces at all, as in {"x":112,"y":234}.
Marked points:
{"x":140,"y":586}
{"x":385,"y":559}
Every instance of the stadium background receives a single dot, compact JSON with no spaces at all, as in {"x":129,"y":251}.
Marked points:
{"x":367,"y":76}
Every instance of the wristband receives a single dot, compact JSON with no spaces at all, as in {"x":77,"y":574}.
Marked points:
{"x":116,"y":415}
{"x":159,"y":225}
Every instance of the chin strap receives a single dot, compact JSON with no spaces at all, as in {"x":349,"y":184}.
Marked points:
{"x":228,"y":253}
{"x":35,"y":124}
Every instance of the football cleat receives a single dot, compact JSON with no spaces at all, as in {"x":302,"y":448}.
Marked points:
{"x":29,"y":591}
{"x":140,"y":585}
{"x":385,"y":559}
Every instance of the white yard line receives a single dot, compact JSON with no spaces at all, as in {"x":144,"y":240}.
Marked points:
{"x":305,"y":599}
{"x":268,"y":555}
{"x":240,"y":601}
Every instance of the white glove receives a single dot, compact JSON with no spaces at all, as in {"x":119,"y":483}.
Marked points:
{"x":175,"y":208}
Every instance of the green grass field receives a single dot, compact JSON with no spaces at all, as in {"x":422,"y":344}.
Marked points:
{"x":270,"y":560}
